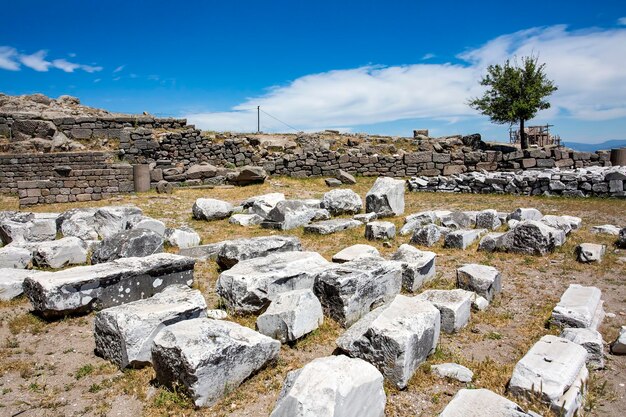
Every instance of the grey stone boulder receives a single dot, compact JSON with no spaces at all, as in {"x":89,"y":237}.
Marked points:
{"x":85,"y":288}
{"x":456,"y":220}
{"x":379,"y":230}
{"x":606,"y":229}
{"x":591,"y":340}
{"x":333,"y":182}
{"x":208,"y":358}
{"x":233,"y":251}
{"x":211,"y":209}
{"x":249,"y":175}
{"x":114,"y":219}
{"x":38,"y":229}
{"x":182,"y":237}
{"x":79,"y":223}
{"x":342,"y":201}
{"x":15,"y":257}
{"x":621,"y":240}
{"x":386,"y":197}
{"x":355,"y":251}
{"x":124,"y":333}
{"x":350,"y":290}
{"x":201,"y":171}
{"x":482,"y":402}
{"x":345,"y":177}
{"x":332,"y":386}
{"x":533,"y":238}
{"x":252,"y":284}
{"x":554,"y":372}
{"x":396,"y":338}
{"x":60,"y":253}
{"x":579,"y":307}
{"x":261,"y":205}
{"x":418,"y":267}
{"x":618,"y":347}
{"x":494,"y":241}
{"x":454,"y":305}
{"x":127,"y":244}
{"x":11,"y":282}
{"x":452,"y":371}
{"x":484,"y":280}
{"x":522,"y":214}
{"x":565,"y":223}
{"x":427,"y":235}
{"x":365,"y":217}
{"x":488,"y":219}
{"x":328,"y":227}
{"x":590,"y":252}
{"x":415,"y":221}
{"x":291,"y":315}
{"x":243,"y":219}
{"x":144,"y":222}
{"x":289,"y":214}
{"x":203,"y":252}
{"x":462,"y":238}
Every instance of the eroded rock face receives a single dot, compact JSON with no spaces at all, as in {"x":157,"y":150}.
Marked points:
{"x":590,"y":252}
{"x":342,"y":201}
{"x":11,"y":281}
{"x":380,"y":230}
{"x":488,"y":219}
{"x":554,"y":371}
{"x":522,"y":214}
{"x":591,"y":340}
{"x":331,"y":226}
{"x":396,"y":338}
{"x":15,"y":257}
{"x":211,"y":209}
{"x":183,"y":237}
{"x":59,"y":253}
{"x":249,"y":175}
{"x":289,"y":214}
{"x":124,"y":333}
{"x":79,"y":223}
{"x":350,"y":290}
{"x":114,"y":219}
{"x":482,"y":402}
{"x":386,"y":197}
{"x":261,"y":205}
{"x":84,"y":288}
{"x":127,"y":244}
{"x":234,"y":251}
{"x":330,"y":387}
{"x":252,"y":284}
{"x":418,"y":267}
{"x":208,"y":357}
{"x":484,"y":280}
{"x":621,"y":241}
{"x":533,"y":238}
{"x":427,"y":235}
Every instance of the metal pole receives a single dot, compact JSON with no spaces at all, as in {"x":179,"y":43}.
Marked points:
{"x":258,"y":119}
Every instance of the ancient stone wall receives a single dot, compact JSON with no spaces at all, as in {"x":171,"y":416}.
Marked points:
{"x":79,"y":185}
{"x":26,"y":167}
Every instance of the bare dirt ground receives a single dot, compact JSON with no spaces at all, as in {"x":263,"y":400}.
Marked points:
{"x":49,"y":368}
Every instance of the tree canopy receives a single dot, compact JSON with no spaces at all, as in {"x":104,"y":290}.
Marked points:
{"x":516,"y":93}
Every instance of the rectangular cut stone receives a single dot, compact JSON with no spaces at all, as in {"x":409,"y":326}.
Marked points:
{"x":454,"y":306}
{"x":579,"y":307}
{"x":482,"y":402}
{"x":554,"y":371}
{"x":461,"y":239}
{"x":124,"y":333}
{"x":203,"y":252}
{"x":11,"y":281}
{"x":84,"y":288}
{"x":484,"y":280}
{"x":332,"y":226}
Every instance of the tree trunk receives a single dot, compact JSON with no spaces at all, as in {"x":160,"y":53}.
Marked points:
{"x":523,"y":138}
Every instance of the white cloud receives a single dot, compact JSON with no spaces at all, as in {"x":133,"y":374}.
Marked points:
{"x":8,"y":58}
{"x":587,"y":66}
{"x":428,"y":56}
{"x":64,"y":65}
{"x":118,"y":69}
{"x":90,"y":68}
{"x":36,"y":61}
{"x":621,"y":21}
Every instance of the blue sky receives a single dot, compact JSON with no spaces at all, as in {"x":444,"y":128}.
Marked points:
{"x":373,"y":66}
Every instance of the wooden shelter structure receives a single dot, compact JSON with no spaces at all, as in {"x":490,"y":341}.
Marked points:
{"x":537,"y":135}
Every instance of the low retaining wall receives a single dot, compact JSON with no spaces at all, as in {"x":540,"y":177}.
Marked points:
{"x":79,"y":185}
{"x":584,"y":182}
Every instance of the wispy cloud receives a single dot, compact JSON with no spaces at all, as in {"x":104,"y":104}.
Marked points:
{"x":118,"y":69}
{"x":11,"y":59}
{"x":428,"y":56}
{"x":585,"y":65}
{"x":622,"y":21}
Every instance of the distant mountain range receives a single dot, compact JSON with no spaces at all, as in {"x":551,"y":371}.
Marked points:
{"x":592,"y":147}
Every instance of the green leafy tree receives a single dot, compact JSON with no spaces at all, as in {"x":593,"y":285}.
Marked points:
{"x":515,"y":93}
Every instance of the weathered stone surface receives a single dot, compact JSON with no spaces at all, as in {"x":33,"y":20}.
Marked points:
{"x":456,"y":220}
{"x":452,"y":371}
{"x":16,"y":231}
{"x":15,"y":257}
{"x":333,"y":182}
{"x":418,"y":267}
{"x":11,"y":281}
{"x":250,"y":175}
{"x":461,"y":239}
{"x":84,"y":288}
{"x":201,"y":171}
{"x":245,"y":219}
{"x":234,"y":251}
{"x":386,"y":197}
{"x":124,"y":333}
{"x":591,"y":340}
{"x":621,"y":240}
{"x":78,"y":222}
{"x":482,"y":402}
{"x":114,"y":219}
{"x":345,"y":177}
{"x":427,"y":235}
{"x":590,"y":252}
{"x":416,"y":221}
{"x":488,"y":219}
{"x":522,"y":214}
{"x":607,"y":229}
{"x":342,"y":201}
{"x":618,"y":347}
{"x":579,"y":307}
{"x":289,"y":214}
{"x":209,"y":357}
{"x":484,"y":280}
{"x":554,"y":371}
{"x":291,"y":315}
{"x":164,"y":187}
{"x":332,"y":386}
{"x":144,"y":222}
{"x":379,"y":230}
{"x":365,"y":217}
{"x":396,"y":338}
{"x":355,"y":251}
{"x":252,"y":284}
{"x":533,"y":238}
{"x":203,"y":252}
{"x":182,"y":237}
{"x":211,"y":209}
{"x":349,"y":291}
{"x":491,"y":242}
{"x":60,"y":253}
{"x":261,"y":205}
{"x":332,"y":226}
{"x":565,"y":223}
{"x":127,"y":244}
{"x":454,"y":305}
